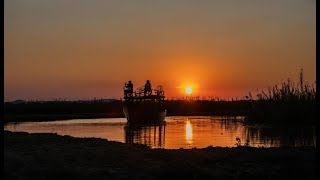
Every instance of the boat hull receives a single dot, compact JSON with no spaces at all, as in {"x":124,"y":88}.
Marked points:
{"x":144,"y":113}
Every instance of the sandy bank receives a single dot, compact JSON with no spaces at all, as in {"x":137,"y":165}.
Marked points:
{"x":51,"y":156}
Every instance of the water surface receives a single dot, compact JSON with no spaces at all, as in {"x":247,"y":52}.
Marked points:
{"x":178,"y":132}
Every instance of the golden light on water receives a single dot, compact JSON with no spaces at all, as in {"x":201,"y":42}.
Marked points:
{"x":188,"y":132}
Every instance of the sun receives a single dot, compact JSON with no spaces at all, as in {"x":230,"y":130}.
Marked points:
{"x":188,"y":90}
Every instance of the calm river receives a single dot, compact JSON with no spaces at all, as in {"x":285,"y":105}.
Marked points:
{"x":178,"y":132}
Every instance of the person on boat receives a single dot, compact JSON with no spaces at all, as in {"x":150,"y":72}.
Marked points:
{"x":147,"y":88}
{"x":130,"y":88}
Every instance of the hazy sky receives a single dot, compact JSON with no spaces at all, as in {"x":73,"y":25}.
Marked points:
{"x":80,"y":49}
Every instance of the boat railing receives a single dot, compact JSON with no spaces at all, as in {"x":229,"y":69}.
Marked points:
{"x":159,"y":90}
{"x":140,"y":92}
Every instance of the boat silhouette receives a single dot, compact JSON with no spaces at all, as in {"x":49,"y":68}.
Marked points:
{"x":144,"y":105}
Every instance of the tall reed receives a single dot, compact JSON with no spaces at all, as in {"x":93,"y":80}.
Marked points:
{"x":289,"y":102}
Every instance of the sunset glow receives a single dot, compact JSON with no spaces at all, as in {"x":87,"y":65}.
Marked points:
{"x":189,"y":87}
{"x":103,"y":44}
{"x":188,"y":90}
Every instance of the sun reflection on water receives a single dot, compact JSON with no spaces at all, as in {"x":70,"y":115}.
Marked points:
{"x":188,"y":132}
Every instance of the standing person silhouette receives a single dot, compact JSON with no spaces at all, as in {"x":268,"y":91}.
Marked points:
{"x":147,"y":88}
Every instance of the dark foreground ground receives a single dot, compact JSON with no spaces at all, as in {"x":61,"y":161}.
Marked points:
{"x":51,"y":156}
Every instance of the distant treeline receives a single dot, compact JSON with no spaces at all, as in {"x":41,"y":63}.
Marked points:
{"x":19,"y":111}
{"x":63,"y":107}
{"x":207,"y":107}
{"x":263,"y":110}
{"x":113,"y":108}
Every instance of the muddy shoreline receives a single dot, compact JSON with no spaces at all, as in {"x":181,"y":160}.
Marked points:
{"x":51,"y":156}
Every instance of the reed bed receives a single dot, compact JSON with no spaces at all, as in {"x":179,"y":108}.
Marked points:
{"x":284,"y":103}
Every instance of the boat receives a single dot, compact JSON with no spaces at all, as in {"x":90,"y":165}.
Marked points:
{"x":144,"y":106}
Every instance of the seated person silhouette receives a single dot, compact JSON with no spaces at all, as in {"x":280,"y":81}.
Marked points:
{"x":147,"y":88}
{"x":128,"y":89}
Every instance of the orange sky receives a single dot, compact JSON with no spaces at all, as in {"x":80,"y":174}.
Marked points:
{"x":62,"y":49}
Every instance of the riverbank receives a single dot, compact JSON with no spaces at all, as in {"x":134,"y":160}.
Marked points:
{"x":55,"y":117}
{"x":265,"y":111}
{"x":51,"y":156}
{"x":16,"y":118}
{"x":63,"y":110}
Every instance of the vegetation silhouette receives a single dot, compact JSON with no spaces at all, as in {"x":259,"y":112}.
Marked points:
{"x":63,"y":109}
{"x":291,"y":102}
